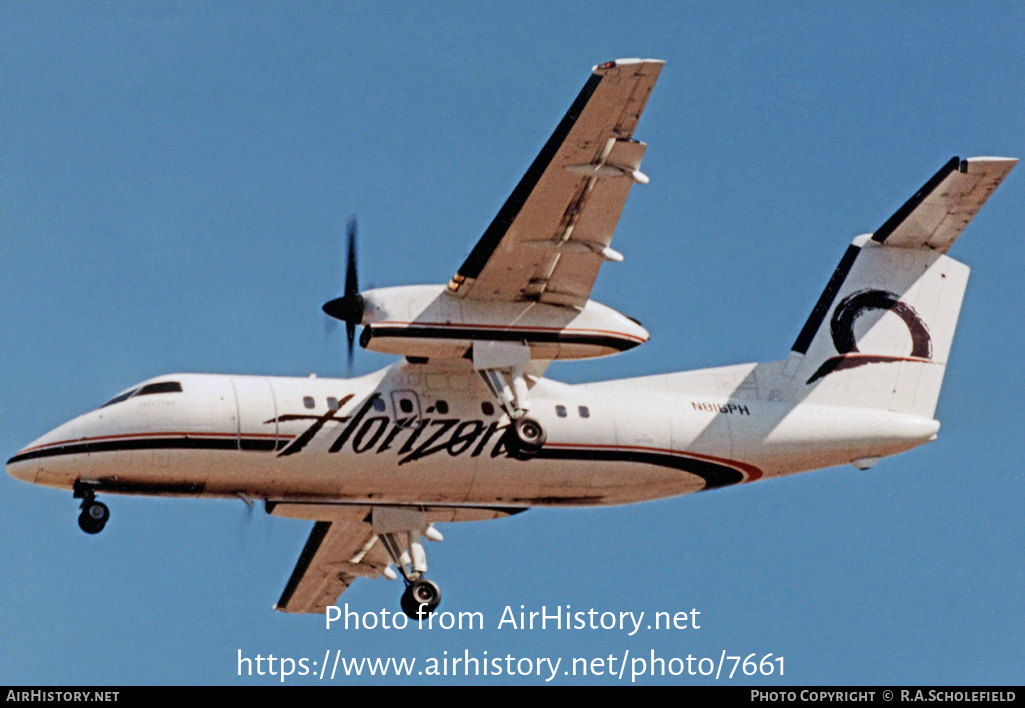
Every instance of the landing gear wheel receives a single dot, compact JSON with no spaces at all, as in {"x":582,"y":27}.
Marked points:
{"x":420,"y":592}
{"x":525,"y":438}
{"x":93,"y":517}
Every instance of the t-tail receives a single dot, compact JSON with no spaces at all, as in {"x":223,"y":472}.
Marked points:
{"x":880,"y":334}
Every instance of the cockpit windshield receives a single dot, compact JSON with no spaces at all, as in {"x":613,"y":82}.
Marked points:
{"x":156,"y":387}
{"x":160,"y":387}
{"x":119,"y":397}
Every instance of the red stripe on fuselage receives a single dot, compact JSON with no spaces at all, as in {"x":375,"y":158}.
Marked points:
{"x":751,"y":472}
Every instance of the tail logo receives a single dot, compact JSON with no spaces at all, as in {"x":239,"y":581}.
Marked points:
{"x":841,"y":327}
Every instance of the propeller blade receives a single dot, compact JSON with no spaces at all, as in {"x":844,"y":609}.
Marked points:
{"x":351,"y":290}
{"x":351,"y":279}
{"x":350,"y":335}
{"x":350,"y":307}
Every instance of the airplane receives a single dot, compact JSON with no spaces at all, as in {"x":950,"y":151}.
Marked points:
{"x":465,"y":427}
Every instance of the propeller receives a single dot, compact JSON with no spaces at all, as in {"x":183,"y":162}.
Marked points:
{"x":349,"y":308}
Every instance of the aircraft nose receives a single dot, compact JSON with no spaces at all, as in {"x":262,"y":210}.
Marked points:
{"x":27,"y":463}
{"x":21,"y":468}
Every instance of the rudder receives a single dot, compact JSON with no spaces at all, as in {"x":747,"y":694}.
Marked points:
{"x":881,"y":333}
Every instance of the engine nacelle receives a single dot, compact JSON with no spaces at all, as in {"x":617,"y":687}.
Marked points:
{"x":426,"y":321}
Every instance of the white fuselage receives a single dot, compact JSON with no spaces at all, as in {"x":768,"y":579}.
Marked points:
{"x":423,"y":435}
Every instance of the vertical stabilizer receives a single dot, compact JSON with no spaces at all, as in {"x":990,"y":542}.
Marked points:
{"x":881,"y":332}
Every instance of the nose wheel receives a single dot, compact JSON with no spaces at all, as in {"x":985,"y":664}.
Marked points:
{"x":94,"y":513}
{"x":93,"y":517}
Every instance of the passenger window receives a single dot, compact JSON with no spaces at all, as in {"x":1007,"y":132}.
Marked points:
{"x":308,"y":401}
{"x":379,"y":404}
{"x":332,"y":403}
{"x":560,"y":411}
{"x":406,"y":405}
{"x":584,"y":412}
{"x":487,"y":408}
{"x":442,"y":407}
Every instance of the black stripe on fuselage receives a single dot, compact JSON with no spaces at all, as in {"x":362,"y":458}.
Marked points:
{"x":714,"y":474}
{"x":316,"y":538}
{"x":156,"y":443}
{"x":481,"y":253}
{"x":821,"y":308}
{"x":121,"y":486}
{"x":505,"y":335}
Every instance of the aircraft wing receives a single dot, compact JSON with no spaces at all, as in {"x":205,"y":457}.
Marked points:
{"x":938,"y":212}
{"x":552,"y":234}
{"x":343,"y":547}
{"x":336,"y":553}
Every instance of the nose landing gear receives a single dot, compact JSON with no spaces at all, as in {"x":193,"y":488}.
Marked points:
{"x":93,"y":517}
{"x":94,"y":513}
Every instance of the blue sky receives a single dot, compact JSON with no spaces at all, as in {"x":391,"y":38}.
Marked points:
{"x":174,"y":184}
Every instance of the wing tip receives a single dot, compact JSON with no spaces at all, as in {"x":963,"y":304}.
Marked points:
{"x":985,"y":163}
{"x":606,"y":66}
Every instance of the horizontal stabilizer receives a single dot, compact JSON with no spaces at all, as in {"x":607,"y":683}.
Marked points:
{"x":938,"y":212}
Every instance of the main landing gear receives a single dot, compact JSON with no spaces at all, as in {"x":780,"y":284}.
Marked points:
{"x":500,"y":365}
{"x":525,"y":438}
{"x":94,"y":513}
{"x":420,"y":593}
{"x":399,"y":530}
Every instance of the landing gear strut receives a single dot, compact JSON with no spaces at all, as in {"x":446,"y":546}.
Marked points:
{"x":94,"y":513}
{"x":399,"y":529}
{"x":501,"y":367}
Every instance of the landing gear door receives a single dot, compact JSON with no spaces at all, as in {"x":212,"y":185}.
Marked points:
{"x":406,"y":405}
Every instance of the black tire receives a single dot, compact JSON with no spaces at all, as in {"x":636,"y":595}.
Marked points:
{"x":98,"y":512}
{"x":87,"y":524}
{"x":525,"y":438}
{"x":420,"y":592}
{"x":93,"y":517}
